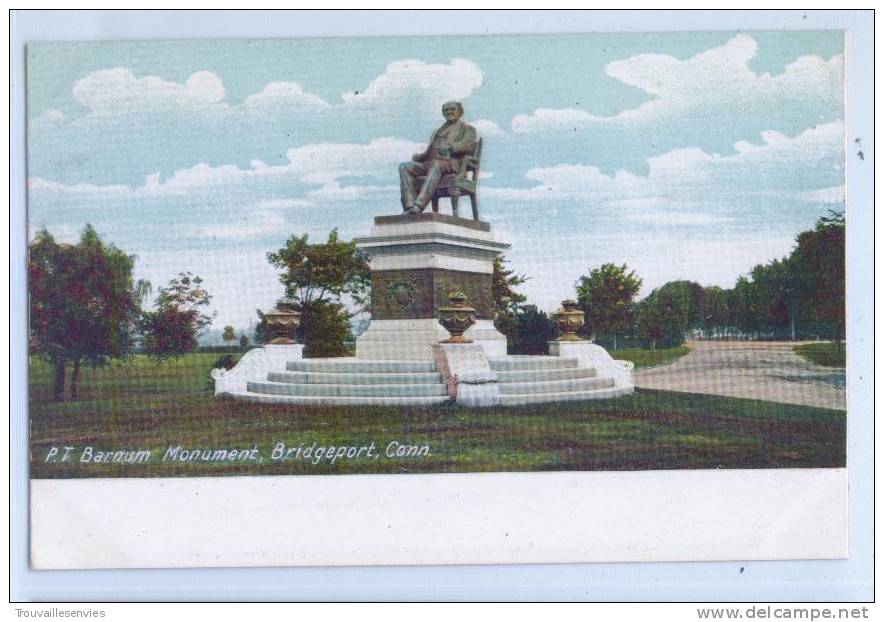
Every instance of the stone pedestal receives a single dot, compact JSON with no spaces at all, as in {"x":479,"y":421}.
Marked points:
{"x":416,"y":262}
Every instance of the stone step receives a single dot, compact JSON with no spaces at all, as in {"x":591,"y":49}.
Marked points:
{"x":348,"y":390}
{"x":326,"y":400}
{"x":537,"y":375}
{"x":524,"y":362}
{"x":346,"y":365}
{"x":522,"y":399}
{"x":317,"y":377}
{"x":555,"y":386}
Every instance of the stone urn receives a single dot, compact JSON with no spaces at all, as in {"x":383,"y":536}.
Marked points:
{"x":282,"y":322}
{"x":569,"y":319}
{"x":457,"y":317}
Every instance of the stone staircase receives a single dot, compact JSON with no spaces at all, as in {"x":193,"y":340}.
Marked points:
{"x":538,"y":379}
{"x":347,"y":381}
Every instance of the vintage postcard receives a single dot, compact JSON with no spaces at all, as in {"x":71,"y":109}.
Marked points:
{"x":463,"y":299}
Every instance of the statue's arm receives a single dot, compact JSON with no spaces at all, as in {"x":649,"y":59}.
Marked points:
{"x":423,"y":155}
{"x":467,"y":142}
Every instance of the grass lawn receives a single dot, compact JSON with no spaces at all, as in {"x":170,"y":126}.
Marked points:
{"x":828,"y":354}
{"x":139,"y":404}
{"x":650,"y":358}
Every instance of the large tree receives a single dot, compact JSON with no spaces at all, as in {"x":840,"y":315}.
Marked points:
{"x":666,"y":315}
{"x":83,"y":303}
{"x":819,"y":273}
{"x":773,"y":298}
{"x":715,"y":312}
{"x":606,"y":297}
{"x":322,"y":279}
{"x":179,"y":317}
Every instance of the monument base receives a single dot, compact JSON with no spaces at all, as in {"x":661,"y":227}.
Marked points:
{"x":413,"y":340}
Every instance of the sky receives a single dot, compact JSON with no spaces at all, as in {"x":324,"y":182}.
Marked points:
{"x":684,"y":155}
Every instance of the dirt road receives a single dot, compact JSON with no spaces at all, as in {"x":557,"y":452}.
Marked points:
{"x":758,"y":370}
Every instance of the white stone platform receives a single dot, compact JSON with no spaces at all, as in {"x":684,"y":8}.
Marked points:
{"x":506,"y":381}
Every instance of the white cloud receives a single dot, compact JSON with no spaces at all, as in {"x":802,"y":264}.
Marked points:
{"x":549,"y":119}
{"x":322,"y":163}
{"x":824,"y":195}
{"x":719,"y":77}
{"x":335,"y":192}
{"x":117,"y":90}
{"x":428,"y":84}
{"x":487,"y":128}
{"x":287,"y":94}
{"x":414,"y":85}
{"x":39,"y":185}
{"x":690,"y":175}
{"x":51,"y":117}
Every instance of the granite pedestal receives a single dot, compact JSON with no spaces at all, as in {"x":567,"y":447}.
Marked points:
{"x":416,"y":262}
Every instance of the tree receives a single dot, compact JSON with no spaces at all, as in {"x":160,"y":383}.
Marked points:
{"x":326,"y":330}
{"x":229,"y":333}
{"x":773,"y":298}
{"x":649,"y":322}
{"x":668,"y":313}
{"x":715,"y":313}
{"x":83,"y":303}
{"x":172,"y":329}
{"x":528,"y":330}
{"x":741,"y":304}
{"x":819,"y":273}
{"x":322,"y":279}
{"x":243,"y":341}
{"x":504,"y":299}
{"x":606,"y":298}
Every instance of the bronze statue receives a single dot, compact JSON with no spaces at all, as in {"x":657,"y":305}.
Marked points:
{"x":448,"y":145}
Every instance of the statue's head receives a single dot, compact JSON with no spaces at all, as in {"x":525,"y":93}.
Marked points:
{"x":452,"y":111}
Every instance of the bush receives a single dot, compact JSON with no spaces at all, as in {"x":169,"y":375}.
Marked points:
{"x":528,"y":330}
{"x":228,"y":361}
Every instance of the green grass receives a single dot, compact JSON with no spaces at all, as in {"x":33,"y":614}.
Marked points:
{"x":650,"y":358}
{"x":139,"y":404}
{"x":827,"y":354}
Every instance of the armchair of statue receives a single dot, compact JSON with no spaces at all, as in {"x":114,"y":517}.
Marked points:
{"x":465,"y":181}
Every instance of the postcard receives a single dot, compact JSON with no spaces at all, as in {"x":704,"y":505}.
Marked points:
{"x":462,"y":299}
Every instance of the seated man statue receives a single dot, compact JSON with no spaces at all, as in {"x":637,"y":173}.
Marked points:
{"x":441,"y":157}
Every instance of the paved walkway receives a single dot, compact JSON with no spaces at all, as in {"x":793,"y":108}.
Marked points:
{"x":765,"y":370}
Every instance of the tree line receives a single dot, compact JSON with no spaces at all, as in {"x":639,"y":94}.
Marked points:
{"x":799,"y":296}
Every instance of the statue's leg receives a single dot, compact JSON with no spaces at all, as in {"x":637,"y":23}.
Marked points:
{"x":431,"y":181}
{"x":435,"y":203}
{"x":407,"y":172}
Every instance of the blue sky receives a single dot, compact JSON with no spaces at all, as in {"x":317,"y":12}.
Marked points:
{"x":684,"y":155}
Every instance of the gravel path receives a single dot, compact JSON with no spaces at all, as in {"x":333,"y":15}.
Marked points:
{"x":763,"y":370}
